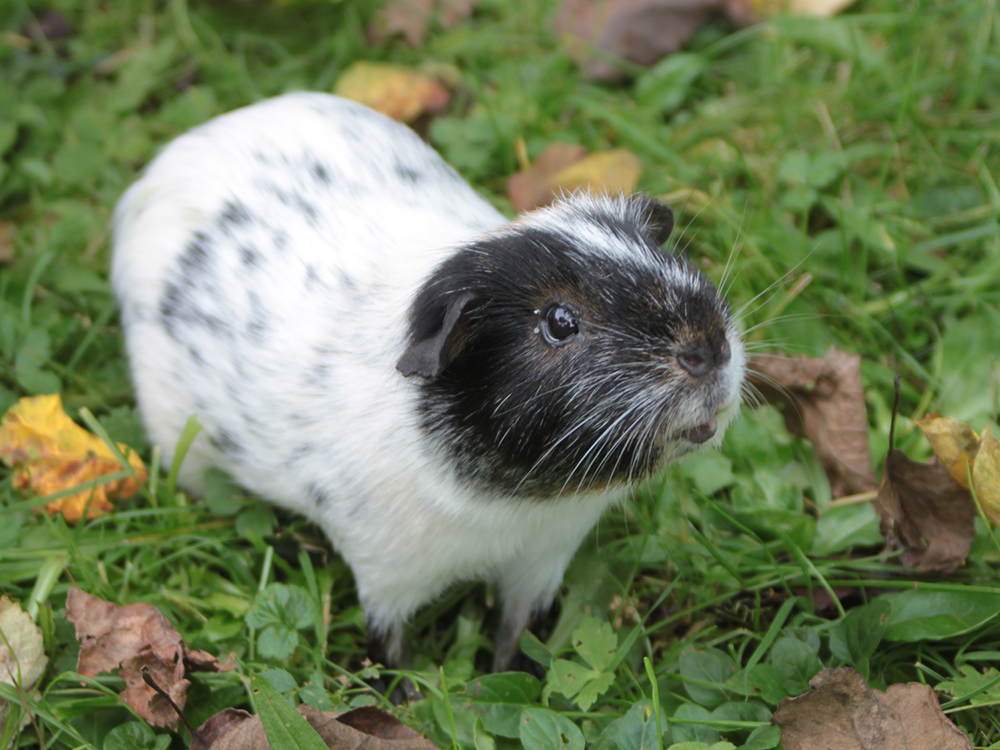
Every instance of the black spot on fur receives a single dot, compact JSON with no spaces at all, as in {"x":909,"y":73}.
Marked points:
{"x":407,"y":173}
{"x":226,"y":442}
{"x":317,"y":495}
{"x":195,"y":258}
{"x":250,"y":257}
{"x":320,"y":173}
{"x":233,"y":214}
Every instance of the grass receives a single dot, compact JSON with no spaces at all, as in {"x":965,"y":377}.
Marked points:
{"x":849,"y":165}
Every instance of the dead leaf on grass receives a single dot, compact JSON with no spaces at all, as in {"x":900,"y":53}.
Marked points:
{"x":921,"y":506}
{"x":841,"y":712}
{"x":822,"y":399}
{"x":50,"y":452}
{"x":401,"y":93}
{"x":986,"y":476}
{"x":132,"y":637}
{"x":639,"y":31}
{"x":412,"y":18}
{"x":566,"y":168}
{"x":960,"y":449}
{"x":366,"y":728}
{"x":22,"y":653}
{"x":749,"y":12}
{"x":8,"y":231}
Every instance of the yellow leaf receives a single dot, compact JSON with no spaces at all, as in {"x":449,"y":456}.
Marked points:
{"x":400,"y":93}
{"x":614,"y":171}
{"x":986,"y":476}
{"x":954,"y":444}
{"x":820,"y":8}
{"x":50,"y":452}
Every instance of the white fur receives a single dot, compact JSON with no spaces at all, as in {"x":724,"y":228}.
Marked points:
{"x":343,"y":448}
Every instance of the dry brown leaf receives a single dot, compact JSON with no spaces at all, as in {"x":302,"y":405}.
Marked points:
{"x":366,"y":728}
{"x":921,"y":506}
{"x":986,"y":476}
{"x":50,"y":452}
{"x":7,"y":233}
{"x":640,"y":31}
{"x":22,"y":653}
{"x":841,"y":712}
{"x":564,"y":168}
{"x":218,"y":727}
{"x":748,"y":12}
{"x":822,"y":399}
{"x":411,"y":18}
{"x":532,"y":187}
{"x":401,"y":93}
{"x":132,"y":637}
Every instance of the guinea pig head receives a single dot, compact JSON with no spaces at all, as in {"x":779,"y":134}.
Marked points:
{"x":567,"y":351}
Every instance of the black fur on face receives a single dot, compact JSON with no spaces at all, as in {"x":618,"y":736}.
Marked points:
{"x":601,"y":400}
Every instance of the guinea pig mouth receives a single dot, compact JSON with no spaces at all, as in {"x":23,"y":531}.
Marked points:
{"x":702,"y":432}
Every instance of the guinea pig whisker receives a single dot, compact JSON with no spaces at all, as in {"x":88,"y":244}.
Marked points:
{"x":725,"y":282}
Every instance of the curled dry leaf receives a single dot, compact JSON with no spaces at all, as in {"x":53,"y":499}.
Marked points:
{"x":22,"y":653}
{"x":132,"y":637}
{"x":822,"y":399}
{"x":841,"y":712}
{"x":960,"y":449}
{"x":50,"y":452}
{"x":921,"y":506}
{"x":986,"y":476}
{"x":366,"y":728}
{"x":411,"y":18}
{"x":565,"y":168}
{"x":401,"y":93}
{"x":639,"y":31}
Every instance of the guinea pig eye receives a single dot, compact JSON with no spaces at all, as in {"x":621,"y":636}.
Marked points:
{"x":559,"y":324}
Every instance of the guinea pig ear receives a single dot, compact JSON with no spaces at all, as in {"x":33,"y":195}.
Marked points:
{"x":429,"y":356}
{"x":659,"y":219}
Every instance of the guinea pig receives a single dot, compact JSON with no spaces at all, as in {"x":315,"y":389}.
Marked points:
{"x":365,"y":340}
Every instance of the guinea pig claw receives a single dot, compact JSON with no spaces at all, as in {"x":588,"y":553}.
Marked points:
{"x":700,"y":433}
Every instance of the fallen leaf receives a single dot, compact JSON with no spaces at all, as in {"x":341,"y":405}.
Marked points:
{"x":749,"y":12}
{"x":400,"y":93}
{"x":955,"y":444}
{"x":50,"y":24}
{"x":22,"y":653}
{"x":532,"y":187}
{"x":411,"y":18}
{"x":366,"y":728}
{"x":921,"y":506}
{"x":8,"y":231}
{"x":639,"y":31}
{"x":50,"y":452}
{"x":564,"y":168}
{"x":822,"y":399}
{"x":130,"y":638}
{"x":218,"y":727}
{"x":986,"y":476}
{"x":841,"y":712}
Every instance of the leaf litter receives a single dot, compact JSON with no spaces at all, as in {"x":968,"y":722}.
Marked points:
{"x":822,"y":399}
{"x":137,"y":640}
{"x":922,"y":507}
{"x":22,"y":654}
{"x":841,"y":712}
{"x":49,"y":452}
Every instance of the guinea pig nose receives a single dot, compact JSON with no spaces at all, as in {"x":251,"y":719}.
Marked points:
{"x":702,"y":432}
{"x":696,"y":360}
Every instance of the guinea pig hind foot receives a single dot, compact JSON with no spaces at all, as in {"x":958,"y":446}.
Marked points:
{"x":388,"y":648}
